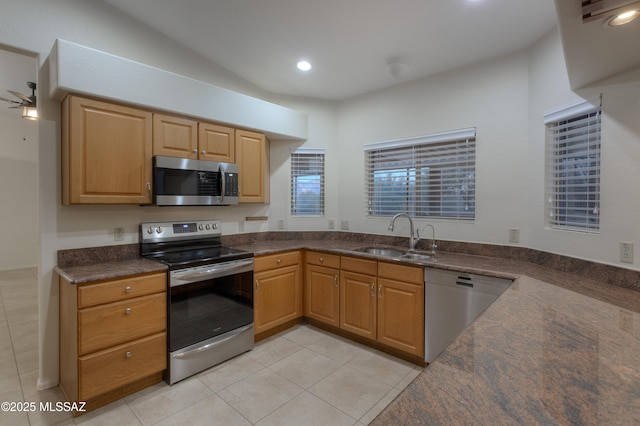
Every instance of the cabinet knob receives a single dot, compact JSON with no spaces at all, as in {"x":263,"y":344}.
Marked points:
{"x":127,"y":289}
{"x":321,"y":259}
{"x":278,"y":261}
{"x":127,"y":311}
{"x":203,"y":152}
{"x":127,"y":354}
{"x":195,"y":151}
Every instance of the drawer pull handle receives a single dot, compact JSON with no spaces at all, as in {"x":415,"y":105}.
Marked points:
{"x":373,"y":289}
{"x":380,"y":291}
{"x":127,"y":354}
{"x":257,"y":286}
{"x":335,"y":281}
{"x":127,"y":289}
{"x":127,"y":311}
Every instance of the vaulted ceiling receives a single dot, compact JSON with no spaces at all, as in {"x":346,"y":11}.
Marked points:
{"x":349,"y":43}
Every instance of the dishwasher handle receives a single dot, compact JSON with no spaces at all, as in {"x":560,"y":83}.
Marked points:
{"x":465,"y":284}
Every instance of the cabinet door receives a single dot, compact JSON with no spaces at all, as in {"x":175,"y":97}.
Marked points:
{"x":252,"y":156}
{"x":106,"y":153}
{"x":358,"y":303}
{"x":175,"y":136}
{"x":216,"y":143}
{"x":322,"y":294}
{"x":401,"y":315}
{"x":277,"y":297}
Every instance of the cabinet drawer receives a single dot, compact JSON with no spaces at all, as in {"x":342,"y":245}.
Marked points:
{"x":323,"y":259}
{"x":107,"y":325}
{"x":115,"y":290}
{"x":408,"y":274}
{"x":115,"y":367}
{"x":361,"y":266}
{"x":272,"y":261}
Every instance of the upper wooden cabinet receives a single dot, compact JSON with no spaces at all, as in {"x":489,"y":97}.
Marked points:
{"x":252,"y":156}
{"x":106,"y":153}
{"x":182,"y":137}
{"x":216,"y":143}
{"x":175,"y":136}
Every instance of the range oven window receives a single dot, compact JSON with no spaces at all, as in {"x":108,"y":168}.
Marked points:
{"x":205,"y":309}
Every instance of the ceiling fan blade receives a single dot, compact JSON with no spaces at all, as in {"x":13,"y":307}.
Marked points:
{"x":21,"y":96}
{"x":9,"y":100}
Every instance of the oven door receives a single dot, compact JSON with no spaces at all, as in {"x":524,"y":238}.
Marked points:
{"x":209,"y":301}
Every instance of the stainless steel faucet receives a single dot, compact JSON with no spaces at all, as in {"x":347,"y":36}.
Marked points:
{"x":433,"y":239}
{"x":414,"y":237}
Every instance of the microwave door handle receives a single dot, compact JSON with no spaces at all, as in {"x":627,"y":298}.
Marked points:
{"x":223,"y":178}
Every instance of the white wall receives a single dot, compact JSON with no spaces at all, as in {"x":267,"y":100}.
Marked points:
{"x":491,"y":96}
{"x":18,"y":166}
{"x":18,"y":190}
{"x":620,"y":160}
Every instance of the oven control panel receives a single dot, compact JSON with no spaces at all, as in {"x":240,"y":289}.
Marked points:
{"x":162,"y":231}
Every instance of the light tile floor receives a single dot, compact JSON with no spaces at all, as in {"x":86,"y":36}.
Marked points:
{"x":302,"y":376}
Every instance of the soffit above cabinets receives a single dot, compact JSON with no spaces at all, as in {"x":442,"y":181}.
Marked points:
{"x":596,"y":53}
{"x":86,"y":71}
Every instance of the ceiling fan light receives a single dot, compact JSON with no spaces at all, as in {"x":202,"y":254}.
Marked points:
{"x":29,"y":112}
{"x":623,"y":18}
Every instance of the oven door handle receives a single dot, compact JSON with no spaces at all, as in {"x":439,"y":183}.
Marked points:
{"x":182,"y":277}
{"x":196,"y":351}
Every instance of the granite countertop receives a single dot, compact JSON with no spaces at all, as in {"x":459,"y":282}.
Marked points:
{"x":113,"y":269}
{"x":555,"y":348}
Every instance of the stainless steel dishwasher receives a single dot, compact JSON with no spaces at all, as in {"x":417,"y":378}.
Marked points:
{"x":452,"y":301}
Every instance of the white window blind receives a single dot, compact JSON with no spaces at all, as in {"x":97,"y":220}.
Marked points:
{"x":307,"y":182}
{"x":427,"y":176}
{"x":573,"y":167}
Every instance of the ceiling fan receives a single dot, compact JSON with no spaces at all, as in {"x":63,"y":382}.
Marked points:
{"x":27,"y":103}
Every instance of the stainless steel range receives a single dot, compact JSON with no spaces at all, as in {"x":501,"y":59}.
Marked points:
{"x":210,"y":306}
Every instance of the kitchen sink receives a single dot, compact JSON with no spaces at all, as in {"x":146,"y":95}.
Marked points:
{"x":415,"y":256}
{"x":381,"y":251}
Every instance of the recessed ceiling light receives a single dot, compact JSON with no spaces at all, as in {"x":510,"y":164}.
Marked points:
{"x":624,"y":18}
{"x":304,"y":66}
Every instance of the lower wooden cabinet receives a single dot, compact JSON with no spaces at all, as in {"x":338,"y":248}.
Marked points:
{"x":401,"y":315}
{"x":379,"y":301}
{"x":322,"y":288}
{"x":112,"y":337}
{"x":358,"y":304}
{"x":277,"y":295}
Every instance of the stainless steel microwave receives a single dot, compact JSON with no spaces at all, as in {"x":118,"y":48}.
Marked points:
{"x":185,"y":182}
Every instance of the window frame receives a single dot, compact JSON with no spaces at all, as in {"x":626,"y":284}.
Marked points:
{"x":573,"y":171}
{"x":317,"y":155}
{"x":440,"y":176}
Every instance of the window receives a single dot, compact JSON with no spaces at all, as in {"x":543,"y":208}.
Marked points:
{"x":427,"y":176}
{"x":573,"y":167}
{"x":307,"y":182}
